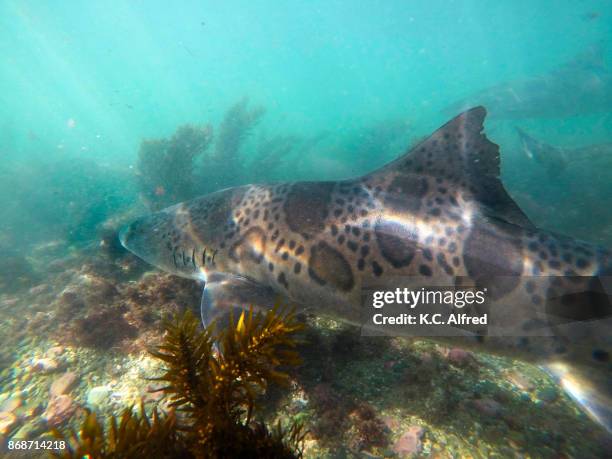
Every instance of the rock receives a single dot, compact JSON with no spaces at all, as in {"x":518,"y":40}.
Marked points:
{"x":39,"y":289}
{"x":63,"y":384}
{"x":11,"y":404}
{"x":488,"y":407}
{"x":29,"y":411}
{"x":548,"y":394}
{"x":97,"y":396}
{"x":8,"y":421}
{"x":59,"y":410}
{"x":31,"y":430}
{"x":410,"y":444}
{"x":521,"y":381}
{"x":55,"y":351}
{"x":391,"y":422}
{"x":459,"y":356}
{"x":45,"y":365}
{"x":9,"y":301}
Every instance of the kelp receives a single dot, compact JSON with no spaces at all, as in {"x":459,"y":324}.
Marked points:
{"x":134,"y":436}
{"x":226,"y":165}
{"x":166,"y":166}
{"x":211,"y":382}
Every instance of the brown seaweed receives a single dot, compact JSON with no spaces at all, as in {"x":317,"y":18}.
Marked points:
{"x":211,"y":395}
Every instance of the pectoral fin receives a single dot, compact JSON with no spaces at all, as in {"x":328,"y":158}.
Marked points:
{"x":224,"y":293}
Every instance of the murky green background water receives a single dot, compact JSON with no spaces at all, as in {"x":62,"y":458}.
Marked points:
{"x":338,"y":88}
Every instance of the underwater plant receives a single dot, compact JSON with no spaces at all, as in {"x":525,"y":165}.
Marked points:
{"x":272,"y":151}
{"x":237,"y":124}
{"x":371,"y":145}
{"x":166,"y":166}
{"x":135,"y":436}
{"x":212,"y":395}
{"x":16,"y":273}
{"x":224,"y":166}
{"x":217,"y":392}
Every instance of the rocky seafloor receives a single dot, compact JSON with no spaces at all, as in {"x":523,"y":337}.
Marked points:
{"x":77,"y":326}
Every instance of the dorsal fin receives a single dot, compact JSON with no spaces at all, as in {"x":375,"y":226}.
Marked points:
{"x":461,"y":155}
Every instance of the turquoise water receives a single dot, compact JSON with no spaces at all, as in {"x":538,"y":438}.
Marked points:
{"x":127,"y":70}
{"x":90,"y":81}
{"x":333,"y":88}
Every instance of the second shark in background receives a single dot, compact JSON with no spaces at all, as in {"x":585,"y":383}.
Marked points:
{"x":556,"y":159}
{"x":581,"y":86}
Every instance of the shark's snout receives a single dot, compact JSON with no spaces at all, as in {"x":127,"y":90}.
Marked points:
{"x":526,"y":143}
{"x":123,"y":235}
{"x":149,"y":238}
{"x":135,"y":234}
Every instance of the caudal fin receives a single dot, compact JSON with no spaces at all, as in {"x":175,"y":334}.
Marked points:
{"x":590,"y":390}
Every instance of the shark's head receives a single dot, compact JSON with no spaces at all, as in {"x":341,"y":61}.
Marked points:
{"x":551,"y":158}
{"x":186,"y":239}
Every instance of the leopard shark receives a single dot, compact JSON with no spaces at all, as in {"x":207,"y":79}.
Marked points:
{"x":437,"y":214}
{"x":580,"y":86}
{"x":556,"y":159}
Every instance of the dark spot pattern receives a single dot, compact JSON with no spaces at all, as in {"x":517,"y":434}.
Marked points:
{"x":397,"y":243}
{"x":405,"y":193}
{"x":493,"y":259}
{"x":584,"y":299}
{"x":327,"y":266}
{"x":283,"y":280}
{"x":377,"y":269}
{"x":306,"y":207}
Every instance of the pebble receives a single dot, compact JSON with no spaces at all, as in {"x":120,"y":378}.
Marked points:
{"x":391,"y":422}
{"x":488,"y":407}
{"x":38,"y":289}
{"x":459,"y":356}
{"x":410,"y":444}
{"x":45,"y":365}
{"x":59,"y":410}
{"x":9,"y":301}
{"x":55,"y":351}
{"x":63,"y":384}
{"x":521,"y":381}
{"x":31,"y":430}
{"x":11,"y":404}
{"x":98,"y":396}
{"x":29,"y":411}
{"x":7,"y":422}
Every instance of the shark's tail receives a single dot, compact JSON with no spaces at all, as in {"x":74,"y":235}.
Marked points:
{"x":592,"y":391}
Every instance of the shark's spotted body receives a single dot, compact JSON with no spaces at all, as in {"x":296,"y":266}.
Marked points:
{"x":438,"y":214}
